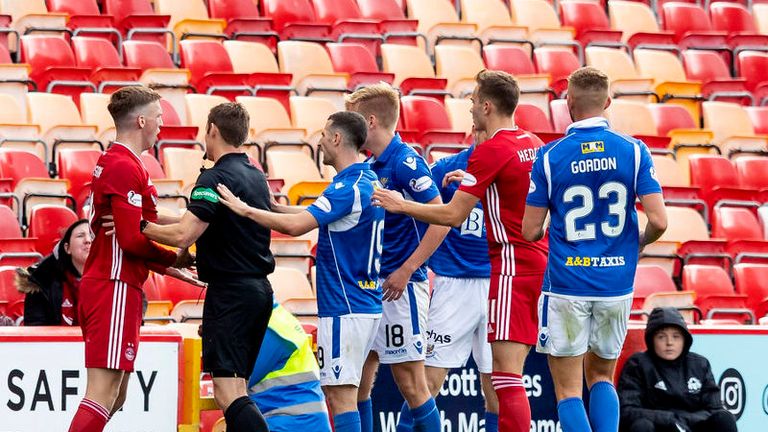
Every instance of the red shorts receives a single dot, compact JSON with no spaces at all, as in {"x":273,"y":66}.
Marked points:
{"x":513,"y":308}
{"x":110,"y":316}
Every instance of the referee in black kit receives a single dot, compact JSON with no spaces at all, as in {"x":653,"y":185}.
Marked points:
{"x":234,"y":258}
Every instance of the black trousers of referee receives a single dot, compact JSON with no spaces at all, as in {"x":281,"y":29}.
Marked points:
{"x":719,"y":421}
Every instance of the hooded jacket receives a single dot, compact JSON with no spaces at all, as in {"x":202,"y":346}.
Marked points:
{"x":682,"y":391}
{"x":43,"y":285}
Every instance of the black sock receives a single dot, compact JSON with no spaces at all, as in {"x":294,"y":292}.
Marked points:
{"x":243,"y":416}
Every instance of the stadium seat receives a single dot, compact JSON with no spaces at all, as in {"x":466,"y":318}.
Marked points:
{"x":103,"y":60}
{"x":753,"y":67}
{"x":189,"y":18}
{"x":188,"y":311}
{"x":393,"y":24}
{"x":47,"y":224}
{"x":296,"y":19}
{"x":669,"y":117}
{"x":182,"y":164}
{"x":668,"y":172}
{"x":618,"y":65}
{"x":439,"y":21}
{"x":735,"y":223}
{"x":27,"y":15}
{"x":29,"y":175}
{"x":459,"y":65}
{"x":311,"y":114}
{"x":559,"y":63}
{"x":312,"y":70}
{"x":590,"y":21}
{"x":429,"y":119}
{"x":292,"y":166}
{"x":650,"y":279}
{"x":211,"y":69}
{"x":709,"y":68}
{"x":136,"y":19}
{"x":60,"y":123}
{"x":714,"y":291}
{"x":631,"y":117}
{"x":752,"y":281}
{"x":752,"y":172}
{"x":93,"y":111}
{"x":685,"y":224}
{"x":198,"y":107}
{"x":458,"y":112}
{"x":76,"y":166}
{"x":358,"y":62}
{"x":759,"y":117}
{"x":9,"y":223}
{"x":289,"y":283}
{"x":153,"y":166}
{"x":760,"y":13}
{"x":493,"y":20}
{"x":736,"y":20}
{"x":531,"y":118}
{"x":86,"y":19}
{"x":638,"y":24}
{"x":306,"y":192}
{"x":669,"y":79}
{"x":270,"y":121}
{"x":347,"y":23}
{"x":8,"y":292}
{"x":691,"y":26}
{"x":543,"y":23}
{"x":561,"y":116}
{"x":413,"y":70}
{"x":732,"y":127}
{"x":53,"y":65}
{"x":244,"y":21}
{"x":711,"y":171}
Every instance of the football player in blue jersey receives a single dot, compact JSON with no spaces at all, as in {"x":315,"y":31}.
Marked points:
{"x":458,"y":312}
{"x":408,"y":244}
{"x":588,"y":181}
{"x":348,"y":262}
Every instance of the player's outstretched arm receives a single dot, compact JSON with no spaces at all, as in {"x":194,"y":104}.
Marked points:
{"x":182,"y":234}
{"x":294,"y":224}
{"x":453,"y":213}
{"x":533,"y":222}
{"x":653,"y":205}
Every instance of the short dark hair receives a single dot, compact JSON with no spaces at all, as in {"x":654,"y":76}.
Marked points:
{"x":352,"y":126}
{"x":233,"y":122}
{"x":125,"y":101}
{"x":500,"y":88}
{"x":64,"y":258}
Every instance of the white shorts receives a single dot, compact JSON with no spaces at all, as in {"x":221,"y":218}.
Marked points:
{"x":569,"y":328}
{"x":458,"y":323}
{"x":343,"y":344}
{"x":402,"y":332}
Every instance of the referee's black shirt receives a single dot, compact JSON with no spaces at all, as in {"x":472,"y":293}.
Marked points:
{"x":232,"y":247}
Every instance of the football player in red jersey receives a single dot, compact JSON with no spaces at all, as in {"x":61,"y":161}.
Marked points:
{"x":119,"y":262}
{"x":498,"y":173}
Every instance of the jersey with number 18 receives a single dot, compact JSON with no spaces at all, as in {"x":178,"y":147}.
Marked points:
{"x":589,"y":180}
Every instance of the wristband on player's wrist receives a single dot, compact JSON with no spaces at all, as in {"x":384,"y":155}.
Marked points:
{"x":143,"y":225}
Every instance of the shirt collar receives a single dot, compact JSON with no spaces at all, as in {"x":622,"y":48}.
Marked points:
{"x":513,"y":129}
{"x":588,"y":123}
{"x":127,"y":148}
{"x":390,"y":150}
{"x":355,"y":167}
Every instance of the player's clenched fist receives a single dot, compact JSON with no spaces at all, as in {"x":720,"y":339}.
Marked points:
{"x":391,"y":201}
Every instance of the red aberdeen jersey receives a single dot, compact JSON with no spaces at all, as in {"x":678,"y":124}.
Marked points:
{"x":121,"y":187}
{"x":498,"y":173}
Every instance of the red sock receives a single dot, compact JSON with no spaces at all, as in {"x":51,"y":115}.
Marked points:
{"x":514,"y":409}
{"x":90,"y":417}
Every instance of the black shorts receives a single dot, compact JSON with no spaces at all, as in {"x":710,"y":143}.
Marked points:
{"x":235,"y":319}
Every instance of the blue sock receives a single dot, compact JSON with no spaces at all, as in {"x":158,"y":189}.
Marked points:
{"x":405,"y":423}
{"x":604,"y":407}
{"x":573,"y":416}
{"x":426,"y":418}
{"x":347,"y":422}
{"x":365,"y":410}
{"x":491,"y":422}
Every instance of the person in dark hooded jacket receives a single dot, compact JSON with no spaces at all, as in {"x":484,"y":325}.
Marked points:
{"x":667,"y":387}
{"x":52,"y":285}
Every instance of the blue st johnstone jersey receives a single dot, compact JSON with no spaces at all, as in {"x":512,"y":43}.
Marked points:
{"x":349,"y":244}
{"x":464,"y":252}
{"x":400,"y":168}
{"x":589,"y":180}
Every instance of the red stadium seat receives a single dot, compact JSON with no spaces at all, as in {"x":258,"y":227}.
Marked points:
{"x":138,"y":16}
{"x":669,"y":117}
{"x":736,"y":20}
{"x":47,"y":224}
{"x":691,"y":26}
{"x":153,"y":166}
{"x":54,"y":67}
{"x":531,"y":118}
{"x":8,"y":291}
{"x":710,"y":68}
{"x":84,"y":15}
{"x":650,"y":279}
{"x":714,"y":290}
{"x":18,"y":252}
{"x":9,"y":223}
{"x":101,"y":57}
{"x":348,"y":24}
{"x":295,"y":19}
{"x":358,"y":62}
{"x":735,"y":223}
{"x":244,"y":21}
{"x":77,"y":166}
{"x":752,"y":171}
{"x":393,"y":24}
{"x":752,"y":281}
{"x":711,"y":171}
{"x":753,"y":67}
{"x":176,"y":291}
{"x":559,"y":63}
{"x":759,"y":117}
{"x":211,"y":68}
{"x":18,"y":165}
{"x":508,"y":58}
{"x":428,"y":116}
{"x":146,"y":55}
{"x":561,"y":116}
{"x":590,"y":21}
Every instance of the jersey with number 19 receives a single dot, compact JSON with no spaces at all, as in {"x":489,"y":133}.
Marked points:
{"x":589,"y":180}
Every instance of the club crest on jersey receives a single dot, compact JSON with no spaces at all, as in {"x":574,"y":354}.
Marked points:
{"x":130,"y":353}
{"x":97,"y":171}
{"x":420,"y":184}
{"x":410,"y":162}
{"x":532,"y":187}
{"x":134,"y":199}
{"x":592,"y":147}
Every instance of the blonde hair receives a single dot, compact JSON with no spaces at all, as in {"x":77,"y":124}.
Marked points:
{"x":380,"y":100}
{"x":588,"y":87}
